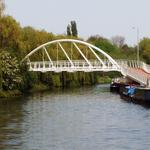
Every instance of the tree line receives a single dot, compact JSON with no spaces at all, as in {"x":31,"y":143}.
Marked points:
{"x":16,"y":42}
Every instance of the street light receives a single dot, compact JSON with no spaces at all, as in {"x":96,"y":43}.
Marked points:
{"x":138,"y":47}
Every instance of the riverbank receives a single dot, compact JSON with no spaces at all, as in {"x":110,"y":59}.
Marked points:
{"x":7,"y":94}
{"x":37,"y":87}
{"x":16,"y":93}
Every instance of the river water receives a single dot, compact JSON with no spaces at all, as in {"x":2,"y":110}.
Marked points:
{"x":88,"y":118}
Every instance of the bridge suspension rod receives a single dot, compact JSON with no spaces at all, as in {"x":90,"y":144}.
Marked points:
{"x":66,"y":54}
{"x":96,"y":56}
{"x":82,"y":55}
{"x":48,"y":55}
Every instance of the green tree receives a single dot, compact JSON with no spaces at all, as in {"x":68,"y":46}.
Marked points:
{"x":145,"y":49}
{"x":32,"y":38}
{"x":0,"y":75}
{"x":104,"y":44}
{"x":69,"y":30}
{"x":9,"y":71}
{"x":72,"y":29}
{"x":2,"y":7}
{"x":10,"y":33}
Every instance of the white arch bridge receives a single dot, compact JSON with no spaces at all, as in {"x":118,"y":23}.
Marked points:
{"x":72,"y":55}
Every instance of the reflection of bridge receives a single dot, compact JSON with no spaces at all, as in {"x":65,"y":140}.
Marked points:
{"x":74,"y":55}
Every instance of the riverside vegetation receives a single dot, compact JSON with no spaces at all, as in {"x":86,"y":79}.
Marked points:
{"x":16,"y":42}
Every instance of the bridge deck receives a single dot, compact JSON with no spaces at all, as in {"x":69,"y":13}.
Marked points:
{"x":140,"y":71}
{"x":139,"y":75}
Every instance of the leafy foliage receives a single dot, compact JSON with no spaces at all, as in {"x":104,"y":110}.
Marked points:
{"x":10,"y":75}
{"x":69,"y":30}
{"x":2,"y":7}
{"x":10,"y":33}
{"x":145,"y":49}
{"x":123,"y":52}
{"x":103,"y":44}
{"x":72,"y":29}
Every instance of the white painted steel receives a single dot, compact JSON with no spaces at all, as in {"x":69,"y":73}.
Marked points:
{"x":78,"y":65}
{"x":97,"y":56}
{"x":65,"y":54}
{"x":82,"y":54}
{"x":87,"y":65}
{"x":146,"y":67}
{"x":73,"y":41}
{"x":128,"y":71}
{"x":48,"y":55}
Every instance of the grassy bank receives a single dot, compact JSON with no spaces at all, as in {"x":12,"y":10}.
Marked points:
{"x":104,"y":80}
{"x":7,"y":94}
{"x":39,"y":87}
{"x":59,"y":81}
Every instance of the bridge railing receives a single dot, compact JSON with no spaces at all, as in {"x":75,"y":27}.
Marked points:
{"x":137,"y":76}
{"x":127,"y":69}
{"x":134,"y":64}
{"x":93,"y":63}
{"x":146,"y":67}
{"x":130,"y":63}
{"x":75,"y":65}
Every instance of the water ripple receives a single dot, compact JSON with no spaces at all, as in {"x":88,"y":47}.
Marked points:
{"x":81,"y":119}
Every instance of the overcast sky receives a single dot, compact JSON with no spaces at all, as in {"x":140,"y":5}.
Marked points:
{"x":104,"y":17}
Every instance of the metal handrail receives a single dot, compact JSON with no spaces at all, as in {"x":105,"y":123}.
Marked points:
{"x":81,"y":65}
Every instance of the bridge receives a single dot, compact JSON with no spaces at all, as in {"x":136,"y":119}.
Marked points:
{"x":72,"y":55}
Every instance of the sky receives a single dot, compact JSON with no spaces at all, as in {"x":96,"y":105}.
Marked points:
{"x":106,"y":18}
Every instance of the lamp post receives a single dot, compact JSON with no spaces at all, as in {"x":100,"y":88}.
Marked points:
{"x":138,"y":47}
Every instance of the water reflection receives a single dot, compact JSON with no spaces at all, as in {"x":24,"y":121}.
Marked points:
{"x":10,"y":118}
{"x":79,"y":119}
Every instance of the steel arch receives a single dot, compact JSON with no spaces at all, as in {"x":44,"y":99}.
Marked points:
{"x":73,"y":41}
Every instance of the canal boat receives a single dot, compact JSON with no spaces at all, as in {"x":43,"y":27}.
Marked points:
{"x":136,"y":94}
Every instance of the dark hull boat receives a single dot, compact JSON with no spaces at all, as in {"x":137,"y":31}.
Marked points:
{"x":137,"y":95}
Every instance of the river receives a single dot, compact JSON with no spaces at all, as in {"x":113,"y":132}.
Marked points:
{"x":89,"y":118}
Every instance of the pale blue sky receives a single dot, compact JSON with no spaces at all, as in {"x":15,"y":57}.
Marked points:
{"x":104,"y":17}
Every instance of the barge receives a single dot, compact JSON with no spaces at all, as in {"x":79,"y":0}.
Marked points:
{"x":131,"y":92}
{"x":136,"y":94}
